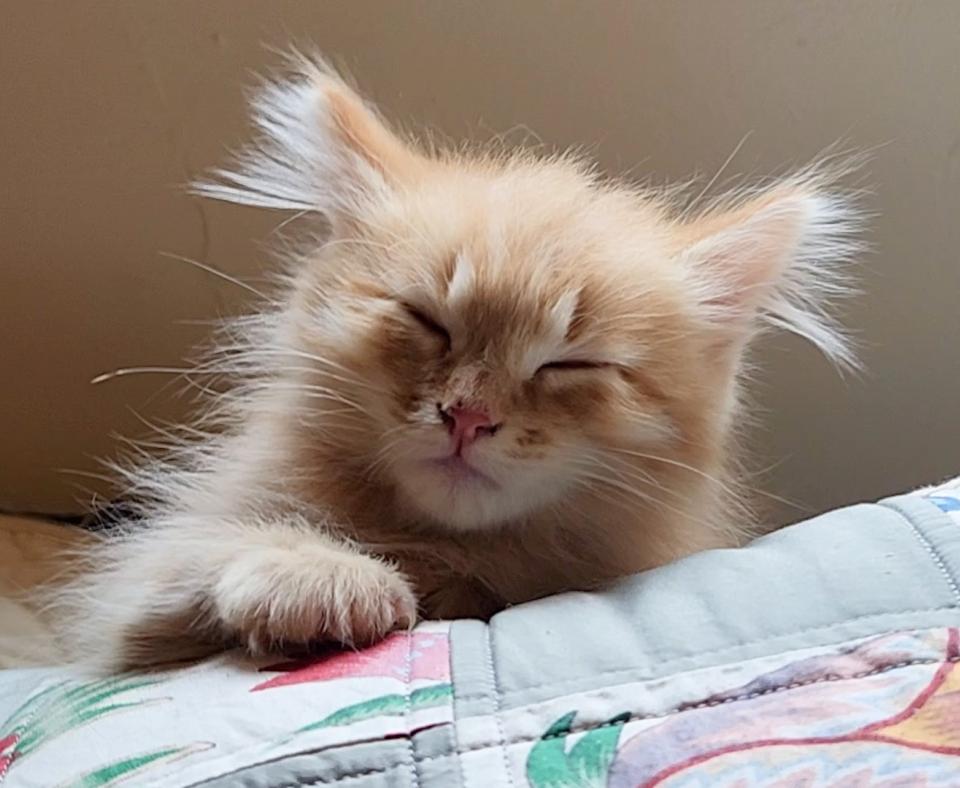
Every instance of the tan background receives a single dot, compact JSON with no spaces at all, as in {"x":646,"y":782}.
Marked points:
{"x":107,"y":107}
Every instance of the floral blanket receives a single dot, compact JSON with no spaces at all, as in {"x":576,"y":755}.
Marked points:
{"x":823,"y":655}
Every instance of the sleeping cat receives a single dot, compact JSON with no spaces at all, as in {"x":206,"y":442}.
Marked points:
{"x":494,"y":377}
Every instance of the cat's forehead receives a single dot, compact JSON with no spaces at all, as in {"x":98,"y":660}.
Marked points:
{"x":528,"y":313}
{"x":517,"y":296}
{"x":519,"y":258}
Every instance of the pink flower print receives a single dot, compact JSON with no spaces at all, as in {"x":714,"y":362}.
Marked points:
{"x":406,"y":656}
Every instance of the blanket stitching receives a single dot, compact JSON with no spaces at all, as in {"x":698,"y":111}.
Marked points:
{"x":630,"y":672}
{"x":495,"y":685}
{"x":413,"y":764}
{"x":660,"y":715}
{"x":454,"y":732}
{"x":929,"y":547}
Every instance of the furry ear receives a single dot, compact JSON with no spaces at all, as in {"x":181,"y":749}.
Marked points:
{"x":320,"y":148}
{"x":777,"y":256}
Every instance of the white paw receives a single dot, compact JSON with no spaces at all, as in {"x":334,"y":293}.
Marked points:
{"x":282,"y":597}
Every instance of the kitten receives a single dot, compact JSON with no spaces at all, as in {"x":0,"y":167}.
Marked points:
{"x":496,"y":377}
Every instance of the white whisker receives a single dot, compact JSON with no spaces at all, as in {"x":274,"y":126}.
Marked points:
{"x":215,"y":271}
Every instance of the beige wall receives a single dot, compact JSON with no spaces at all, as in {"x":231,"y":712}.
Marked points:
{"x":107,"y":106}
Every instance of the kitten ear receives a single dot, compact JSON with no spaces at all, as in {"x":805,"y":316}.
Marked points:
{"x":320,"y":148}
{"x":777,"y":257}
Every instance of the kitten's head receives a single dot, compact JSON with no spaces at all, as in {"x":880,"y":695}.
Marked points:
{"x":495,"y":334}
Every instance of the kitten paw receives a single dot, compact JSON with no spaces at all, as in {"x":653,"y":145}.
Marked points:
{"x":280,"y":597}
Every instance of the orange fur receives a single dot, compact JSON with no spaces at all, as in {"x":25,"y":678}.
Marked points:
{"x":323,"y":510}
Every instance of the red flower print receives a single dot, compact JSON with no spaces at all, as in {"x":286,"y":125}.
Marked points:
{"x":406,"y":656}
{"x":8,"y":751}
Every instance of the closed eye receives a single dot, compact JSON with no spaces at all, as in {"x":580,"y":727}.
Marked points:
{"x":428,"y":323}
{"x":574,"y":364}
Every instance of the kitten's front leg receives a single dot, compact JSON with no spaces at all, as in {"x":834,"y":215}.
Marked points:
{"x":190,"y":584}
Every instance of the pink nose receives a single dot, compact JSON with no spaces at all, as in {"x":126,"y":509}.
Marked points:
{"x":466,"y":424}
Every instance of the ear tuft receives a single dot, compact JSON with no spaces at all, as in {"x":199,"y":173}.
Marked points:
{"x":319,"y":147}
{"x":780,"y":257}
{"x":818,"y":277}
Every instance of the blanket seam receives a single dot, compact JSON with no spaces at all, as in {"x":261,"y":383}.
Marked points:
{"x":727,"y":649}
{"x":927,"y":545}
{"x":454,"y":732}
{"x":413,"y":764}
{"x":495,"y":686}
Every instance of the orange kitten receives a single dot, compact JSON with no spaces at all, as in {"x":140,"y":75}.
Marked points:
{"x":495,"y":377}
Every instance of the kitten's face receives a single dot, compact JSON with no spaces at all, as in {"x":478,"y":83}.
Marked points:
{"x":496,"y":335}
{"x":506,"y":349}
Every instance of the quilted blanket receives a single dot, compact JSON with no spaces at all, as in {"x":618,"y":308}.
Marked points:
{"x":822,"y":655}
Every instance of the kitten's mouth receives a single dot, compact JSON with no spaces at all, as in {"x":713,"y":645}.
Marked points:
{"x":458,"y":470}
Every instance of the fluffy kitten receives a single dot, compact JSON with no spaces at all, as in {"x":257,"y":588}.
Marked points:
{"x":495,"y":377}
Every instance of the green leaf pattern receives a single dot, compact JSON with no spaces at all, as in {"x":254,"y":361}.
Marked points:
{"x":385,"y":705}
{"x":586,"y":765}
{"x":66,"y":705}
{"x":125,"y":768}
